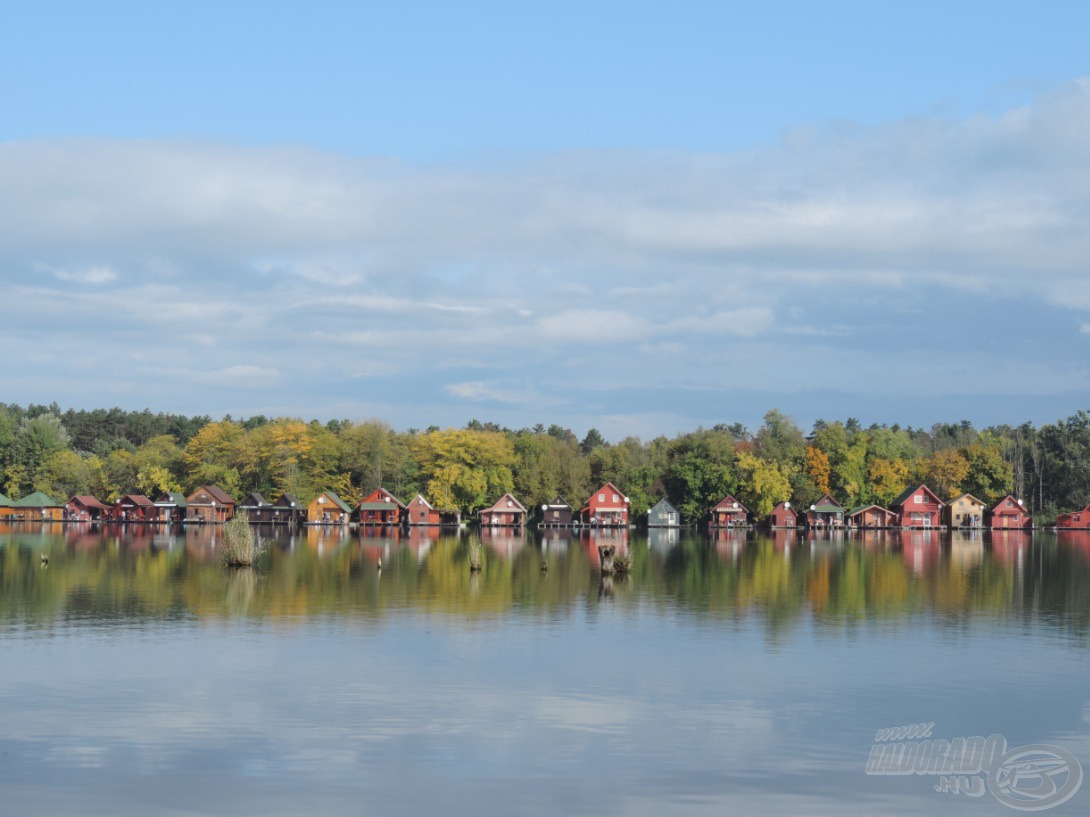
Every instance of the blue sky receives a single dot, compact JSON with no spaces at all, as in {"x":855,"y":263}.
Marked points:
{"x":635,"y":216}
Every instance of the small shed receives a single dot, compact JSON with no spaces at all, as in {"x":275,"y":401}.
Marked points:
{"x":39,"y":507}
{"x":557,"y":513}
{"x":825,"y":513}
{"x":133,"y":508}
{"x":729,"y":513}
{"x":171,"y":508}
{"x":257,"y":509}
{"x":85,"y":508}
{"x":287,"y":510}
{"x":1008,"y":512}
{"x":380,"y":508}
{"x":328,"y":509}
{"x":421,"y":513}
{"x":663,"y":515}
{"x":783,"y":516}
{"x":605,"y":508}
{"x":1076,"y":520}
{"x":918,"y":507}
{"x":210,"y":504}
{"x":965,"y":511}
{"x":872,"y":516}
{"x":508,"y":512}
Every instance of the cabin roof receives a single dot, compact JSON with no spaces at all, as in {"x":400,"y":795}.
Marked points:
{"x":966,"y":496}
{"x":137,"y":499}
{"x":254,"y":500}
{"x":999,"y":502}
{"x":286,"y":500}
{"x":37,"y":500}
{"x":214,"y":491}
{"x":909,"y":491}
{"x":498,"y":503}
{"x":340,"y":503}
{"x":88,"y":501}
{"x":5,"y":502}
{"x":172,"y":498}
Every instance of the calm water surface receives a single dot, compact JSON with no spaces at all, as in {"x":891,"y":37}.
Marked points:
{"x":732,"y":675}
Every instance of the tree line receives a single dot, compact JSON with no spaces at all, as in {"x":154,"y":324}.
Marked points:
{"x":109,"y":453}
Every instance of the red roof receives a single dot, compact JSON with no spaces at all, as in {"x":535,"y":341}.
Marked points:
{"x":137,"y":499}
{"x":88,"y":501}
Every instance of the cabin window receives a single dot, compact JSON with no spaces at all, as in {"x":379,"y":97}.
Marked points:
{"x":918,"y":499}
{"x":556,"y":514}
{"x":423,"y":514}
{"x":616,"y":498}
{"x":601,"y":497}
{"x":1010,"y":504}
{"x":961,"y":502}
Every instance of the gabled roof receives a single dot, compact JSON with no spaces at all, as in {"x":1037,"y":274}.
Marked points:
{"x":609,"y":487}
{"x":172,"y":498}
{"x":728,"y":502}
{"x":862,"y":508}
{"x":966,"y":496}
{"x":336,"y":500}
{"x":5,"y":502}
{"x":559,"y":502}
{"x":996,"y":505}
{"x":909,"y":491}
{"x":665,"y":503}
{"x":422,"y":501}
{"x":254,"y":500}
{"x":214,"y":491}
{"x":828,"y":505}
{"x":509,"y":497}
{"x":787,"y":506}
{"x":379,"y":494}
{"x":88,"y":501}
{"x":287,"y":500}
{"x":37,"y":500}
{"x":137,"y":499}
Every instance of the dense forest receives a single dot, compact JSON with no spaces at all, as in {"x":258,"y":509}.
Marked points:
{"x":108,"y":453}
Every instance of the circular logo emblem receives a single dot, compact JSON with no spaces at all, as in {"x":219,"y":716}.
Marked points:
{"x":1035,"y":777}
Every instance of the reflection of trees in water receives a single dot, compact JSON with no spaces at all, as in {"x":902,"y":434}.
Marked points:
{"x":783,"y":581}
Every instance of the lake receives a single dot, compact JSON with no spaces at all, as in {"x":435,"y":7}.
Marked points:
{"x":742,"y":673}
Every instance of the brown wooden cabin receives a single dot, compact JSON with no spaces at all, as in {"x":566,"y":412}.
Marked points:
{"x":783,"y":516}
{"x":380,"y":509}
{"x":171,"y":508}
{"x":1076,"y":520}
{"x":133,"y":508}
{"x":729,"y":513}
{"x":872,"y":516}
{"x":557,"y":514}
{"x":508,"y":512}
{"x":965,"y":511}
{"x":85,"y":508}
{"x":1008,"y":512}
{"x":918,"y":507}
{"x":420,"y":513}
{"x":287,"y":510}
{"x":328,"y":509}
{"x":38,"y":507}
{"x":257,"y":509}
{"x":210,"y":504}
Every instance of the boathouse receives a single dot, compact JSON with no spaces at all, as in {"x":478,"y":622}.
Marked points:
{"x":965,"y":511}
{"x":257,"y":509}
{"x":85,"y":508}
{"x":663,"y":515}
{"x":556,"y":514}
{"x":872,"y":516}
{"x":287,"y":510}
{"x":133,"y":508}
{"x":1008,"y":512}
{"x":381,"y":509}
{"x":729,"y":513}
{"x":328,"y":509}
{"x":1076,"y":520}
{"x":38,"y":507}
{"x":7,"y":507}
{"x":171,"y":508}
{"x":508,"y":512}
{"x":210,"y":504}
{"x":918,"y":507}
{"x":825,"y":513}
{"x":783,"y":516}
{"x":421,"y":512}
{"x":605,"y":508}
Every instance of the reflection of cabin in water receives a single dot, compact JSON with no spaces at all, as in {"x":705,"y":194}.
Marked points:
{"x":556,"y":514}
{"x":783,"y":516}
{"x":1007,"y":512}
{"x":1076,"y":520}
{"x":663,"y":537}
{"x":328,"y":509}
{"x":257,"y":509}
{"x":918,"y":507}
{"x":605,"y":508}
{"x":508,"y":512}
{"x":421,"y":513}
{"x":504,"y":540}
{"x":872,"y":516}
{"x":171,"y":507}
{"x":965,"y":511}
{"x":729,"y":513}
{"x":133,"y":508}
{"x":380,"y":509}
{"x":210,"y":504}
{"x":825,"y":513}
{"x":38,"y":507}
{"x":663,"y":515}
{"x":85,"y":508}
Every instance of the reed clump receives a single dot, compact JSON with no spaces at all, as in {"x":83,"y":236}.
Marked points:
{"x":241,"y":544}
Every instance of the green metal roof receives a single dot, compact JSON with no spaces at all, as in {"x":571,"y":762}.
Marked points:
{"x":827,"y":508}
{"x":5,"y":502}
{"x":38,"y":500}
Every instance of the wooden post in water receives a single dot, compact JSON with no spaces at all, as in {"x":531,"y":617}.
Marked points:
{"x":605,"y":558}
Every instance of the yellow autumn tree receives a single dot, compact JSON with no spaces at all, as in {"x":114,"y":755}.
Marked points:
{"x":762,"y":485}
{"x":464,"y":468}
{"x":817,"y":468}
{"x":887,"y":478}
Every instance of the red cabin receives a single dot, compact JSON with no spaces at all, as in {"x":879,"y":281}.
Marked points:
{"x":729,"y":513}
{"x":783,"y":516}
{"x":1077,"y":520}
{"x":1008,"y":512}
{"x":872,"y":516}
{"x":134,"y":508}
{"x":919,"y":507}
{"x":85,"y":508}
{"x":421,"y":513}
{"x":508,"y":513}
{"x":380,"y":508}
{"x":825,"y":513}
{"x":606,"y":508}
